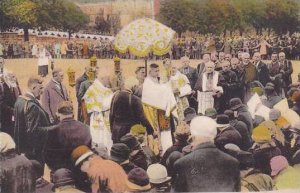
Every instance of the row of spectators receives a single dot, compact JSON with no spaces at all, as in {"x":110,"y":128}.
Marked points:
{"x":194,"y":46}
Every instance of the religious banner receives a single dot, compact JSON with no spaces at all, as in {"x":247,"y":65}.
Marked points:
{"x":205,"y":101}
{"x":291,"y":116}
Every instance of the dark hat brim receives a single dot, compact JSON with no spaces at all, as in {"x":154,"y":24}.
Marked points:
{"x":135,"y":187}
{"x":160,"y":181}
{"x":117,"y":159}
{"x":235,"y":107}
{"x":222,"y":125}
{"x":189,"y":117}
{"x":294,"y":130}
{"x":64,"y":183}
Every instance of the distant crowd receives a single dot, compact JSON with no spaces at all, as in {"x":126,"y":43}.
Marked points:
{"x":193,"y":45}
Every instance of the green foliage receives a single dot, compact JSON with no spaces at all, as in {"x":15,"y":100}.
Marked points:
{"x":42,"y":14}
{"x":102,"y":24}
{"x":72,"y":19}
{"x":217,"y":16}
{"x":4,"y":19}
{"x":179,"y":14}
{"x":22,"y":13}
{"x":89,"y":1}
{"x":282,"y":16}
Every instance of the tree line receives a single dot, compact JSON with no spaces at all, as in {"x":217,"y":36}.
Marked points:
{"x":219,"y":16}
{"x":41,"y":14}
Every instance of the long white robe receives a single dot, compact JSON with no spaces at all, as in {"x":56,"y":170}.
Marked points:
{"x":181,"y":82}
{"x":205,"y":98}
{"x":97,"y":100}
{"x":44,"y":57}
{"x":159,"y":97}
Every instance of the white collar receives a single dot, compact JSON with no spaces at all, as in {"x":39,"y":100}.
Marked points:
{"x":176,"y":76}
{"x":55,"y":81}
{"x":30,"y":93}
{"x":153,"y":79}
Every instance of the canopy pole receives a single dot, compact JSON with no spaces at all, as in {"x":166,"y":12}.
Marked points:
{"x":146,"y":68}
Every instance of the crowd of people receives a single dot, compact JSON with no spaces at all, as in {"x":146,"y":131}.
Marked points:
{"x":230,"y":124}
{"x":193,"y":45}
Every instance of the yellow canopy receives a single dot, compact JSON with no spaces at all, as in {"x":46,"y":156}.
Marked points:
{"x":144,"y":35}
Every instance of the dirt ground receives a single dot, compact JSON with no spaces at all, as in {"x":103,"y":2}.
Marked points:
{"x":24,"y":68}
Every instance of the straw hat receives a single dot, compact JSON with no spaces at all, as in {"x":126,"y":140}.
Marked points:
{"x":158,"y":174}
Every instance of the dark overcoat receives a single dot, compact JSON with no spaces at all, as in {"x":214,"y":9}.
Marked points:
{"x":63,"y":139}
{"x":244,"y":115}
{"x":126,"y":110}
{"x":7,"y":101}
{"x":78,"y":82}
{"x":207,"y":169}
{"x":31,"y":127}
{"x":16,"y":173}
{"x":241,"y":127}
{"x":262,"y":73}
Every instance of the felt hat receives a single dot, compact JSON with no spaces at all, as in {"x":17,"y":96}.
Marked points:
{"x":274,"y":114}
{"x":261,"y":134}
{"x":278,"y":163}
{"x":62,"y":177}
{"x":138,"y":180}
{"x":138,"y":129}
{"x":119,"y":152}
{"x":210,"y":112}
{"x":235,"y":103}
{"x":189,"y":114}
{"x":80,"y":154}
{"x":130,"y":141}
{"x":222,"y":121}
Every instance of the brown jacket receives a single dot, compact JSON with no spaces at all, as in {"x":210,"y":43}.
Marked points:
{"x":51,"y":97}
{"x":250,"y":73}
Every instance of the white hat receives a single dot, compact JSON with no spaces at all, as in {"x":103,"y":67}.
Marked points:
{"x":274,"y":114}
{"x":83,"y":157}
{"x":6,"y":142}
{"x":203,"y":126}
{"x":157,"y":174}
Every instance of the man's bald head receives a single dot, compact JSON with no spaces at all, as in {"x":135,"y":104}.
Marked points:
{"x":281,"y":56}
{"x":245,"y":55}
{"x":225,"y":65}
{"x":206,"y":58}
{"x":234,"y":63}
{"x":246,"y":58}
{"x":221,"y":56}
{"x":228,"y":57}
{"x":185,"y":61}
{"x":209,"y":67}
